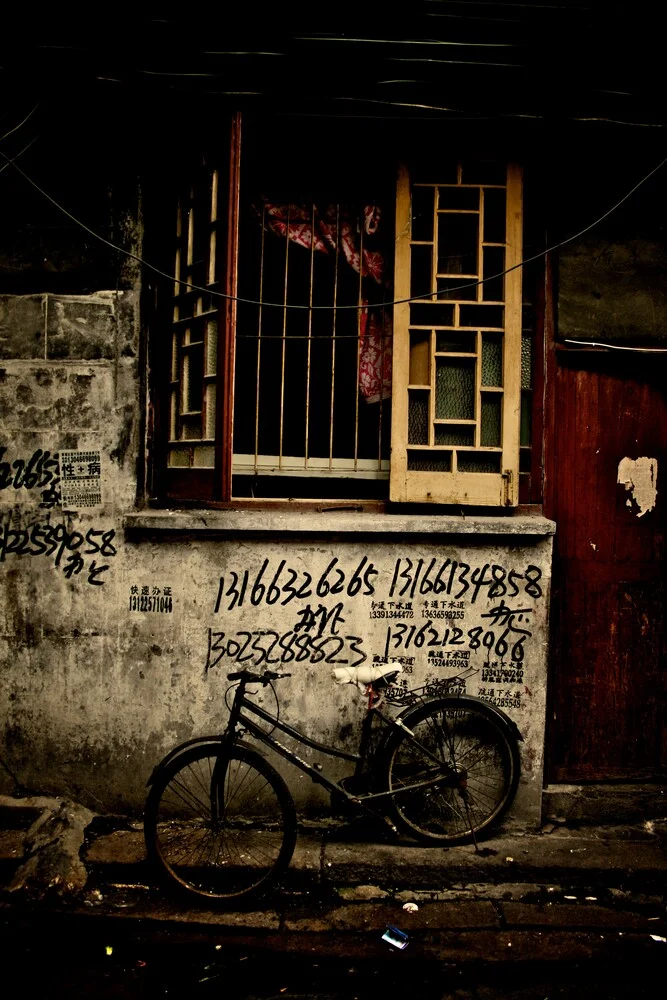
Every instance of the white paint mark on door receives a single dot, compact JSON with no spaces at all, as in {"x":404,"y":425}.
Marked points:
{"x":639,"y":476}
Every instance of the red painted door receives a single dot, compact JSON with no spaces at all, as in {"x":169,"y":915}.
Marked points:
{"x":607,"y":690}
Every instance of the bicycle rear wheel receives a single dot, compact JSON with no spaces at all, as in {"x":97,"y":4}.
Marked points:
{"x":473,"y":751}
{"x":220,"y":823}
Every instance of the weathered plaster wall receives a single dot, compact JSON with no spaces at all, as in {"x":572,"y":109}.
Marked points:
{"x":68,"y":382}
{"x":117,"y":628}
{"x":613,"y":291}
{"x":311,"y":592}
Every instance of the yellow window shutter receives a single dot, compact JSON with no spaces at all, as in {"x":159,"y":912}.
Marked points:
{"x":457,"y":336}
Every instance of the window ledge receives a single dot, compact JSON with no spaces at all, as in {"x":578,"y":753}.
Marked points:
{"x":327,"y":523}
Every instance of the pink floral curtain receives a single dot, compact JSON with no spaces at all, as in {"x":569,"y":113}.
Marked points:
{"x":324,"y":231}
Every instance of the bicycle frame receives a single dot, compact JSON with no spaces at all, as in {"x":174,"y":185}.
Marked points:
{"x":240,"y":719}
{"x":209,"y":794}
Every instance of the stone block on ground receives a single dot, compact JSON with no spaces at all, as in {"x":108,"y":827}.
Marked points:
{"x":52,"y":845}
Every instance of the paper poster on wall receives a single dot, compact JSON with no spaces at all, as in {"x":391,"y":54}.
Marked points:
{"x":80,"y":479}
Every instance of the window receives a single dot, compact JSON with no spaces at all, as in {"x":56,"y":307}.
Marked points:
{"x":457,"y":345}
{"x":372,"y":347}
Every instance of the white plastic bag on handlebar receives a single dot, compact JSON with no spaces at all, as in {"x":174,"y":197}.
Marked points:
{"x":361,"y":676}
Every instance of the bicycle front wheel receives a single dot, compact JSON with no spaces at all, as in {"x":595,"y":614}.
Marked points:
{"x":220,"y":823}
{"x":467,"y":762}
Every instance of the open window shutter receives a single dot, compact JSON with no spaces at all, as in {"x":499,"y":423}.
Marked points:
{"x":457,"y":343}
{"x":192,"y":346}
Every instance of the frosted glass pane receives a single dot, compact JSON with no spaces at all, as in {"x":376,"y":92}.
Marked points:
{"x":490,"y":429}
{"x":455,"y":389}
{"x":418,"y":417}
{"x":476,"y":462}
{"x":173,"y":415}
{"x":429,"y":461}
{"x":455,"y":435}
{"x":526,"y":361}
{"x":211,"y":347}
{"x":178,"y":458}
{"x":209,"y":430}
{"x":174,"y":357}
{"x":492,"y":360}
{"x":191,"y":429}
{"x":203,"y":457}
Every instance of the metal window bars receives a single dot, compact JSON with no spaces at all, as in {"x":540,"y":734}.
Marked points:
{"x":312,"y":386}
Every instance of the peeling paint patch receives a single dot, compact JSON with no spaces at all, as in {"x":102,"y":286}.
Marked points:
{"x":639,"y":476}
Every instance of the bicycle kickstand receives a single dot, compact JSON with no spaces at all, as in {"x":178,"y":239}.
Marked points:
{"x":472,"y":829}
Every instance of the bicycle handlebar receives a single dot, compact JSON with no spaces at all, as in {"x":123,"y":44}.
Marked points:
{"x":249,"y":676}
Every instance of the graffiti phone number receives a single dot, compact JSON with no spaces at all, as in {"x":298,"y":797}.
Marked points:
{"x":506,"y":641}
{"x":66,"y":547}
{"x":447,"y":615}
{"x":454,"y":578}
{"x":282,"y":584}
{"x":392,"y":613}
{"x":286,"y":584}
{"x":266,"y":646}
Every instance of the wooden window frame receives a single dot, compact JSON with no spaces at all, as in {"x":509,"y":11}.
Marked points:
{"x":213,"y":486}
{"x":453,"y":487}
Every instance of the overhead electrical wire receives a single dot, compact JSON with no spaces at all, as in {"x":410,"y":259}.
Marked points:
{"x":20,"y":124}
{"x":311,"y":308}
{"x":20,"y":153}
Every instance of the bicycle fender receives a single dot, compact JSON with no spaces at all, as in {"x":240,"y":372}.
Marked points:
{"x":198,"y":741}
{"x":509,"y":724}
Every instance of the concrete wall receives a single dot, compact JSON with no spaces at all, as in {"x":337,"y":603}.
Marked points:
{"x":118,"y":626}
{"x":613,"y":291}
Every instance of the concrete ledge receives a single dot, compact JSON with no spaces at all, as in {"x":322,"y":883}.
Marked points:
{"x":594,"y":856}
{"x":627,"y":803}
{"x":262,"y":522}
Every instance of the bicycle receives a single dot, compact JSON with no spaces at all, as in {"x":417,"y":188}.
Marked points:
{"x":221,"y":823}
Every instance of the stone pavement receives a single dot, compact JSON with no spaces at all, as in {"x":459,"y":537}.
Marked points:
{"x":561,"y":894}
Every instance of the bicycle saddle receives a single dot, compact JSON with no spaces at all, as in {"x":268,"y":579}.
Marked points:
{"x":364,"y":675}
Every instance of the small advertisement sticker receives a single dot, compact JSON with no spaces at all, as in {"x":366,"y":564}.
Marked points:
{"x":80,"y":479}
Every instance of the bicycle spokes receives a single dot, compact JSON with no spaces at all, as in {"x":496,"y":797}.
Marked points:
{"x":221,"y":825}
{"x":479,"y":771}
